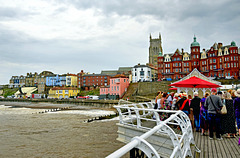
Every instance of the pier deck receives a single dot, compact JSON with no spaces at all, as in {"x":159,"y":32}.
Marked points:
{"x":228,"y":147}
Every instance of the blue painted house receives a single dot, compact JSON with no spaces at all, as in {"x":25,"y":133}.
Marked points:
{"x":56,"y":80}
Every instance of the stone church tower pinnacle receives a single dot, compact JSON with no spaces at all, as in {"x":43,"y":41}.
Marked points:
{"x":155,"y":49}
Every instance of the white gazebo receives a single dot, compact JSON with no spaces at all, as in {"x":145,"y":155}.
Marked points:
{"x":201,"y":91}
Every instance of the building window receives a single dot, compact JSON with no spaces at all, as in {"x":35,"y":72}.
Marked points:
{"x":220,"y":60}
{"x":214,"y":60}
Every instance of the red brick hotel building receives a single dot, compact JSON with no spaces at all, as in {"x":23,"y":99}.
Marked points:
{"x":219,"y":61}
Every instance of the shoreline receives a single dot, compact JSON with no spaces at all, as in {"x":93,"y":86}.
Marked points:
{"x":44,"y":105}
{"x":71,"y":104}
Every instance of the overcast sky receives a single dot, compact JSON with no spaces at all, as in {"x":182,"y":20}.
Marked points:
{"x":92,"y":35}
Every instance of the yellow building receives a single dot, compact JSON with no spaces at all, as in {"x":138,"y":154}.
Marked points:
{"x":71,"y":80}
{"x":63,"y":92}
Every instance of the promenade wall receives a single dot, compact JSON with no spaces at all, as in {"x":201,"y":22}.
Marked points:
{"x":82,"y":102}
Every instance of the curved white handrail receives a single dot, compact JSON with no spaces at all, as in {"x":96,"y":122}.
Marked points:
{"x":134,"y":114}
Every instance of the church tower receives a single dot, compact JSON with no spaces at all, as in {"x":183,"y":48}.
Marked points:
{"x":155,"y":49}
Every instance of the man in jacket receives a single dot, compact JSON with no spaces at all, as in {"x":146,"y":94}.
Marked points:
{"x":213,"y":103}
{"x":195,"y":105}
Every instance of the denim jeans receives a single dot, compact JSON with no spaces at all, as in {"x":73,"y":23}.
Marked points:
{"x":214,"y":121}
{"x":197,"y":122}
{"x":238,"y":122}
{"x":186,"y":112}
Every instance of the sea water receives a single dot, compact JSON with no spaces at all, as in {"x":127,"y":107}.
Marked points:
{"x":24,"y":132}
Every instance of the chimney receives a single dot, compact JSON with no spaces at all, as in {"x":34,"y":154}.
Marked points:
{"x":219,"y":45}
{"x":182,"y":50}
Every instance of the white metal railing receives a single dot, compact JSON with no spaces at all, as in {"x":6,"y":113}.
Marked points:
{"x":140,"y":115}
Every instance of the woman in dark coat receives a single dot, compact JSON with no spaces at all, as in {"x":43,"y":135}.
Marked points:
{"x":228,"y":120}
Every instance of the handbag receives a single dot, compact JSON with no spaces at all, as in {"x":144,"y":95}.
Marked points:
{"x":223,"y":111}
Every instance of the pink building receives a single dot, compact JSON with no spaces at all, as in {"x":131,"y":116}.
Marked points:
{"x":118,"y":86}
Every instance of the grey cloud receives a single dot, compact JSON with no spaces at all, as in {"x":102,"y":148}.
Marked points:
{"x":8,"y":13}
{"x":164,"y":9}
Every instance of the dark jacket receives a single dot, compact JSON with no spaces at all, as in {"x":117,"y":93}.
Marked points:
{"x":216,"y":101}
{"x":180,"y":103}
{"x":195,"y":105}
{"x":236,"y":105}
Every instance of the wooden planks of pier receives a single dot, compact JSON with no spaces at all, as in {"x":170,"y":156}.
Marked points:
{"x":226,"y":148}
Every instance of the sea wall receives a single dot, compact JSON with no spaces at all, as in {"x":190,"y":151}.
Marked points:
{"x":83,"y":102}
{"x":146,"y":88}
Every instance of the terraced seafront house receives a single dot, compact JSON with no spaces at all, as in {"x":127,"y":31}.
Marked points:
{"x":63,"y":92}
{"x":17,"y":81}
{"x":117,"y":88}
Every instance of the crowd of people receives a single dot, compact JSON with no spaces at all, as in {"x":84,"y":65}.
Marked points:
{"x":205,"y":113}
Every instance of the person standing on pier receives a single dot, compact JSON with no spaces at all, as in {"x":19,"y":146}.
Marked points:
{"x":213,"y":103}
{"x":170,"y":100}
{"x":236,"y":104}
{"x":195,"y":105}
{"x":203,"y":115}
{"x":183,"y":104}
{"x":228,"y":120}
